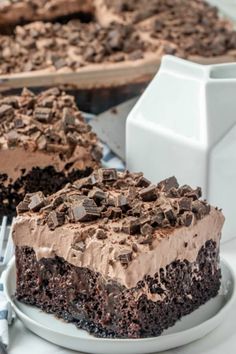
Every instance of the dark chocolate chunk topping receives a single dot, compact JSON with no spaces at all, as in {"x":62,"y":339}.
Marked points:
{"x":43,"y":114}
{"x":120,"y":202}
{"x":149,"y":194}
{"x":37,"y":201}
{"x":125,"y":257}
{"x":168,"y":184}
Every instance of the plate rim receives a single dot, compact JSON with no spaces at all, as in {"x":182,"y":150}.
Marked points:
{"x":225,"y":308}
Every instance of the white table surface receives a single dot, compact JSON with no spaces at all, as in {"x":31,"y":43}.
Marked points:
{"x":220,"y":341}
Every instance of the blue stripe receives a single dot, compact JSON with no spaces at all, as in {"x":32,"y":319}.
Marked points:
{"x":3,"y":315}
{"x":1,"y":287}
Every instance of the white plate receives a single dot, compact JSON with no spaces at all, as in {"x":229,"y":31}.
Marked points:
{"x":190,"y":328}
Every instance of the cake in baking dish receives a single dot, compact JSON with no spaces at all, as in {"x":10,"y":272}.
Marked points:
{"x":44,"y":144}
{"x":120,"y":32}
{"x":116,"y":255}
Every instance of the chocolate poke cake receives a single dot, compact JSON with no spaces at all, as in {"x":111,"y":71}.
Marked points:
{"x":117,"y":255}
{"x":44,"y":144}
{"x":121,"y":34}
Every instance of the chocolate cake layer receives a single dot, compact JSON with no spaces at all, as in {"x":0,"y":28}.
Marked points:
{"x":120,"y":238}
{"x":121,"y":31}
{"x":108,"y":309}
{"x":44,"y":144}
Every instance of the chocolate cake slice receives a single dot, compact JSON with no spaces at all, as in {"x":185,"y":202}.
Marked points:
{"x":44,"y":144}
{"x":116,"y":255}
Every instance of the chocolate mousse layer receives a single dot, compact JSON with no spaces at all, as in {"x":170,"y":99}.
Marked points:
{"x":117,"y":255}
{"x":44,"y":144}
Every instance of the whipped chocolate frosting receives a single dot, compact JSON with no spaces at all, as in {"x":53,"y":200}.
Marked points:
{"x":118,"y":224}
{"x":44,"y":130}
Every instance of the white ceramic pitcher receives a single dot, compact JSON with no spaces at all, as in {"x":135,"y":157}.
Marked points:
{"x":185,"y":125}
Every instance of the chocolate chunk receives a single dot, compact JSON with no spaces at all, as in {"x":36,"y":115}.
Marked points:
{"x":187,"y":218}
{"x":55,"y":219}
{"x":149,"y":194}
{"x":125,"y":257}
{"x":157,"y":217}
{"x":97,"y":194}
{"x":168,"y":183}
{"x":143,"y":182}
{"x":84,"y":211}
{"x":101,"y":234}
{"x":6,"y":110}
{"x":12,"y":138}
{"x":170,"y":215}
{"x":146,"y":229}
{"x":18,"y":123}
{"x":136,"y":209}
{"x":106,"y":175}
{"x":195,"y":194}
{"x":117,"y":200}
{"x":200,"y":209}
{"x":185,"y":204}
{"x":37,"y":201}
{"x":97,"y":153}
{"x":134,"y":247}
{"x":57,"y":201}
{"x":68,"y":119}
{"x":115,"y":40}
{"x":136,"y":55}
{"x":43,"y":114}
{"x":145,"y":240}
{"x":131,"y":226}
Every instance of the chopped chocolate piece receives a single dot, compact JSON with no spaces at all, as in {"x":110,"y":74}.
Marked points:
{"x":149,"y":194}
{"x":145,"y":240}
{"x":131,"y":225}
{"x":57,"y":201}
{"x":168,"y":183}
{"x":143,"y":182}
{"x":185,"y":204}
{"x":170,"y":215}
{"x":84,"y":211}
{"x":186,"y":218}
{"x":68,"y":119}
{"x":146,"y":229}
{"x":134,"y":247}
{"x":125,"y":257}
{"x":37,"y":201}
{"x":97,"y":194}
{"x":101,"y":234}
{"x":195,"y":194}
{"x":136,"y":209}
{"x":6,"y":110}
{"x":157,"y":217}
{"x":18,"y":123}
{"x":200,"y":209}
{"x":55,"y":219}
{"x":12,"y":138}
{"x":107,"y":174}
{"x":117,"y":200}
{"x":43,"y":114}
{"x":185,"y":190}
